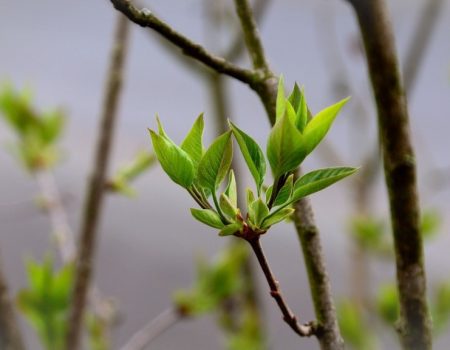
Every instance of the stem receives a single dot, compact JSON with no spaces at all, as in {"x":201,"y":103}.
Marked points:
{"x":96,"y":186}
{"x":400,"y":172}
{"x":58,"y":217}
{"x":10,"y":336}
{"x":304,"y":330}
{"x":142,"y":338}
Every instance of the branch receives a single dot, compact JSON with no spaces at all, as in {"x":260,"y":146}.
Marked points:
{"x":251,"y":35}
{"x":145,"y":18}
{"x":304,"y":330}
{"x":96,"y":186}
{"x":10,"y":337}
{"x":400,"y":171}
{"x":156,"y":327}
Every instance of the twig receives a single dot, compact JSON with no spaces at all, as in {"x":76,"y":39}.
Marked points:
{"x":304,"y":330}
{"x":145,"y":18}
{"x":419,"y":42}
{"x":96,"y":186}
{"x":156,"y":327}
{"x":58,"y":218}
{"x":400,"y":171}
{"x":10,"y":337}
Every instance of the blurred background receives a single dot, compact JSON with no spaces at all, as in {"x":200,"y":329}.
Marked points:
{"x":148,"y":244}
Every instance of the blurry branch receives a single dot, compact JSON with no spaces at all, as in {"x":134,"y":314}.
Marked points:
{"x":264,"y":82}
{"x":419,"y":42}
{"x":58,"y":217}
{"x":96,"y":186}
{"x":400,"y":172}
{"x":10,"y":337}
{"x":142,"y":338}
{"x":145,"y":18}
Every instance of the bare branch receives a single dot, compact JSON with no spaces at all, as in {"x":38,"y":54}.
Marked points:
{"x":145,"y":18}
{"x":10,"y":337}
{"x":304,"y":330}
{"x":400,"y":171}
{"x":96,"y":186}
{"x":156,"y":327}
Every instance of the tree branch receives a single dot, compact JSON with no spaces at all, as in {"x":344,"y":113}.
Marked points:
{"x":145,"y":18}
{"x":400,"y":171}
{"x":95,"y":190}
{"x":304,"y":330}
{"x":10,"y":337}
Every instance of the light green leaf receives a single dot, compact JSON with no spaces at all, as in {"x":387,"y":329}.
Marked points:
{"x":318,"y":180}
{"x":208,"y":217}
{"x":175,"y":162}
{"x":161,"y":130}
{"x":231,"y":190}
{"x":257,"y":211}
{"x":216,"y":162}
{"x":193,"y":144}
{"x":276,"y":217}
{"x":268,"y":193}
{"x":302,"y":113}
{"x":281,"y":99}
{"x":227,"y":207}
{"x":250,"y":197}
{"x":285,"y":147}
{"x":285,"y":192}
{"x":253,"y":155}
{"x":295,"y":97}
{"x":318,"y":127}
{"x":230,"y":229}
{"x":290,"y":112}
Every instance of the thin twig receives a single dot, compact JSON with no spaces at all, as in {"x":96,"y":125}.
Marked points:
{"x":156,"y":327}
{"x":304,"y":330}
{"x":400,"y":171}
{"x":58,"y":217}
{"x":145,"y":18}
{"x":10,"y":336}
{"x":96,"y":186}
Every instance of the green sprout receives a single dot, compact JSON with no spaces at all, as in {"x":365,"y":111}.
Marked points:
{"x":202,"y":171}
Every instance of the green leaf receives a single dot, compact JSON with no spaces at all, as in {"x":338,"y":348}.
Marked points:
{"x":318,"y":127}
{"x":285,"y":192}
{"x":317,"y":180}
{"x":295,"y":97}
{"x":175,"y":162}
{"x":208,"y":217}
{"x":231,"y":229}
{"x":276,"y":217}
{"x":268,"y":193}
{"x":216,"y":162}
{"x":250,"y":196}
{"x":290,"y":112}
{"x":285,"y":147}
{"x":281,"y":99}
{"x":302,"y":113}
{"x":253,"y":155}
{"x":257,"y":211}
{"x":161,"y":130}
{"x":227,"y":207}
{"x":193,"y":143}
{"x":388,"y":303}
{"x":231,"y":190}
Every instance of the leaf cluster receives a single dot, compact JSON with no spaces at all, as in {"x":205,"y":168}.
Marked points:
{"x":202,"y":171}
{"x":37,"y":133}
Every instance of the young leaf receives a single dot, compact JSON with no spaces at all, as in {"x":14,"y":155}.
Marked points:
{"x":193,"y":144}
{"x":161,"y":131}
{"x":253,"y":155}
{"x":318,"y":180}
{"x":250,"y":197}
{"x":318,"y":127}
{"x":285,"y":147}
{"x":231,"y":190}
{"x":281,"y":99}
{"x":230,"y":229}
{"x":208,"y":217}
{"x":302,"y":113}
{"x":295,"y":97}
{"x":290,"y":112}
{"x":216,"y":162}
{"x":285,"y":192}
{"x":227,"y":207}
{"x":276,"y":217}
{"x":175,"y":162}
{"x":257,"y":211}
{"x":269,"y":193}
